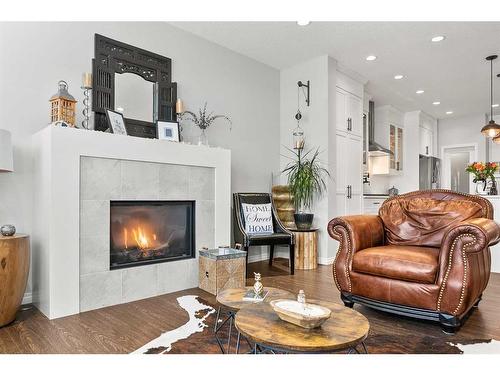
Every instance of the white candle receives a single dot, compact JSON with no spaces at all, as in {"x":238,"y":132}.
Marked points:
{"x":87,"y":80}
{"x":179,"y":106}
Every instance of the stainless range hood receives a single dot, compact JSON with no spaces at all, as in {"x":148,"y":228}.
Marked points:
{"x":374,"y":149}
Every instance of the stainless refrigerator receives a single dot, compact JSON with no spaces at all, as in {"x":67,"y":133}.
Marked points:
{"x":429,"y":172}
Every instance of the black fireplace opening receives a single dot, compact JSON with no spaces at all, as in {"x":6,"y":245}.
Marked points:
{"x":146,"y":232}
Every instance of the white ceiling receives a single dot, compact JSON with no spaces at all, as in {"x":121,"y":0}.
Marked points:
{"x":453,"y":72}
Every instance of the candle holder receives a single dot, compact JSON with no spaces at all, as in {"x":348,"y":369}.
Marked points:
{"x":87,"y":88}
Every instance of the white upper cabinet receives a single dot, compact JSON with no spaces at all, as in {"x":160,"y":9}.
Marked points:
{"x":426,"y":141}
{"x":349,"y":112}
{"x":427,"y":131}
{"x":355,"y":113}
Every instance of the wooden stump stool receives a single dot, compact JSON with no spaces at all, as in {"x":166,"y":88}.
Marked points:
{"x":14,"y":268}
{"x":306,"y":248}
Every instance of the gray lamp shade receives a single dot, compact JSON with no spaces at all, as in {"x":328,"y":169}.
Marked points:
{"x":6,"y":162}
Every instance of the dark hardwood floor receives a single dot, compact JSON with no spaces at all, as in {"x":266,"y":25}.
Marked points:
{"x":124,"y":328}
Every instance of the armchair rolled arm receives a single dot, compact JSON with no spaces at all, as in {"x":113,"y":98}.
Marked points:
{"x":464,"y":263}
{"x":354,"y":233}
{"x":476,"y":235}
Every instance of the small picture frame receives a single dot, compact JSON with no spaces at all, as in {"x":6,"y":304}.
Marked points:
{"x":168,"y":131}
{"x":116,"y":122}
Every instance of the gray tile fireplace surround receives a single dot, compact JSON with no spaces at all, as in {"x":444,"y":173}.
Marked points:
{"x":102,"y":180}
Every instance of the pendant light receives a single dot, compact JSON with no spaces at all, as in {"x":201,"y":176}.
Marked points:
{"x":491,"y":129}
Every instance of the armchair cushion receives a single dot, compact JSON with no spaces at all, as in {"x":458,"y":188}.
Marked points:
{"x":409,"y":263}
{"x":424,"y":221}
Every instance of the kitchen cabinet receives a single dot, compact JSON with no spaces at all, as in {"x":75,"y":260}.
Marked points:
{"x":349,"y":112}
{"x":348,"y":174}
{"x":396,"y":146}
{"x":426,"y":141}
{"x":371,"y":204}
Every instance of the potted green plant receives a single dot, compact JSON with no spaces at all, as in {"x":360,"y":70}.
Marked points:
{"x":306,"y":181}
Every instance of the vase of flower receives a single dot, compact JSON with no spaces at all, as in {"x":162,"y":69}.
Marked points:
{"x":203,"y":139}
{"x":482,"y":172}
{"x":480,"y":186}
{"x":203,"y":121}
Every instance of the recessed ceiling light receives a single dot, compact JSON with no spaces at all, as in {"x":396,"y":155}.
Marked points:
{"x":303,"y":23}
{"x":419,"y":91}
{"x":438,"y":38}
{"x":119,"y":109}
{"x":449,"y":112}
{"x":371,"y":58}
{"x":436,"y":103}
{"x":398,"y":76}
{"x":495,"y":105}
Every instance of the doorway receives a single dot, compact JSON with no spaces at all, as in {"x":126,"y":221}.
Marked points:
{"x":455,"y":160}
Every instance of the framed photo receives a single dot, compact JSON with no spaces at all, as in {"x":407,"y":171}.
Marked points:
{"x":116,"y":122}
{"x":168,"y":131}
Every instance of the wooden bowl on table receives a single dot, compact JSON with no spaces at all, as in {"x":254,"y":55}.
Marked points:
{"x":304,"y":315}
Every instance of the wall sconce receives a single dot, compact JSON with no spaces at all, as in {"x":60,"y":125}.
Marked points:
{"x":307,"y":92}
{"x":298,"y":132}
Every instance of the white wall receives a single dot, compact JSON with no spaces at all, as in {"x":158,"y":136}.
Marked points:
{"x":318,"y":123}
{"x":35,"y":56}
{"x":463,"y":130}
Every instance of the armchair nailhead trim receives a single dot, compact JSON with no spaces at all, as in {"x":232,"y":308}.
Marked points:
{"x":448,"y":270}
{"x":488,"y":211}
{"x":348,"y":277}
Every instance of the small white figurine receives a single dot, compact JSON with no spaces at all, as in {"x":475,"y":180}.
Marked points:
{"x":257,"y":286}
{"x":301,"y":297}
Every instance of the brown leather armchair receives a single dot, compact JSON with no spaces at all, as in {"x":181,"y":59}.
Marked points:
{"x":425,"y":255}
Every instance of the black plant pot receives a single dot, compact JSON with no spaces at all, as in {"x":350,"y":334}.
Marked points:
{"x":303,"y":220}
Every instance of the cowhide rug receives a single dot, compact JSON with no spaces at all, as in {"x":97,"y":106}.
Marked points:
{"x":197,"y":337}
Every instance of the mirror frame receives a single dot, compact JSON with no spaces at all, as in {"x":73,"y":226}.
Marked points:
{"x":112,"y":56}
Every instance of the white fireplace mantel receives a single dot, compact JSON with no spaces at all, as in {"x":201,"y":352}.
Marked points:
{"x":55,"y":240}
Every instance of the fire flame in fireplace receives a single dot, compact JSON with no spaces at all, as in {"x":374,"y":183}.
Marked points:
{"x":140,"y":237}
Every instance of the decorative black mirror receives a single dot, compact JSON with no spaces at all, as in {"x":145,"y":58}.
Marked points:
{"x":120,"y":69}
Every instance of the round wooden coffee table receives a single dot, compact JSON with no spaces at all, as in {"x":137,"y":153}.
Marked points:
{"x":231,"y":301}
{"x":346,"y":329}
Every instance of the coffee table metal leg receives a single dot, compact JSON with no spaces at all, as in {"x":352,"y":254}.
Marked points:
{"x":231,"y":320}
{"x":218,"y":328}
{"x":217,"y":319}
{"x":228,"y":320}
{"x":238,"y":343}
{"x":364,"y":347}
{"x":354,"y":349}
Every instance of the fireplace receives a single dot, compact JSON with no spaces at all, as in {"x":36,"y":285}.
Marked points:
{"x":146,"y":232}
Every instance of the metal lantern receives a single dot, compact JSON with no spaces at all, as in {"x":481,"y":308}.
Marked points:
{"x":298,"y":134}
{"x":63,"y":106}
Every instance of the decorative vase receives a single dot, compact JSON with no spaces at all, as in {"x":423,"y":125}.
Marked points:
{"x":493,"y":187}
{"x":7,"y":230}
{"x":481,"y":187}
{"x":303,"y":221}
{"x":203,"y":139}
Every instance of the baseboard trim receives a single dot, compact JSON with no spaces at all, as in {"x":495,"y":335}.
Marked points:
{"x":27,"y":298}
{"x":257,"y":258}
{"x":326,"y":261}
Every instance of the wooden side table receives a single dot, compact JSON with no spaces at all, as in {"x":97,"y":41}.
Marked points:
{"x":14,"y":268}
{"x":221,"y":268}
{"x":306,"y":248}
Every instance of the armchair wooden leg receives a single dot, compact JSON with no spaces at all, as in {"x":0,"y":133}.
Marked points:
{"x":246,"y":261}
{"x":292,"y":259}
{"x":271,"y":254}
